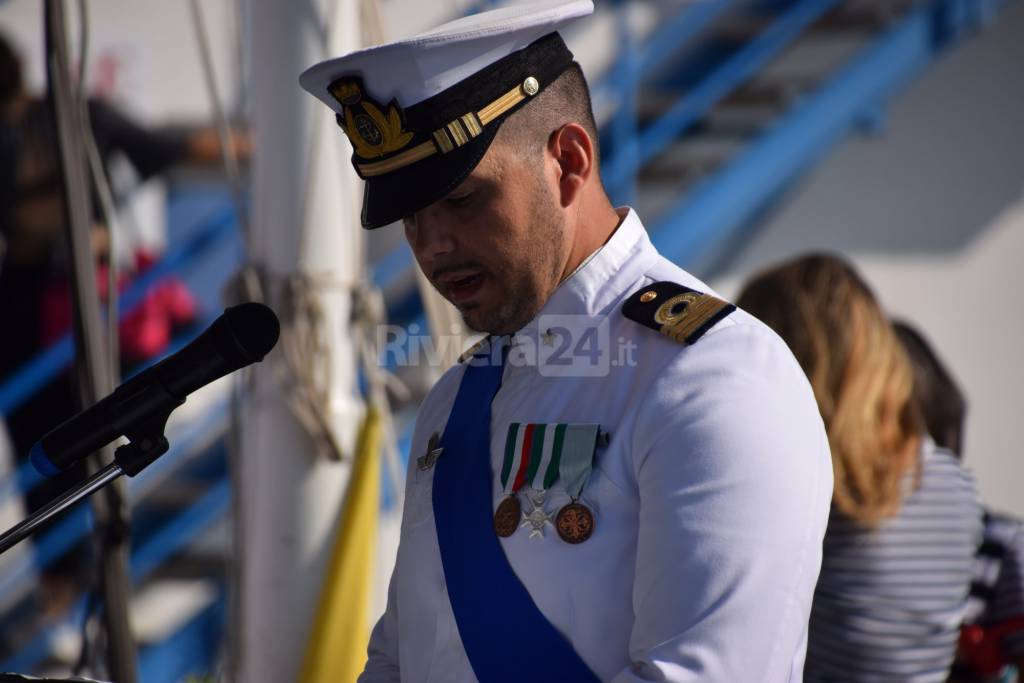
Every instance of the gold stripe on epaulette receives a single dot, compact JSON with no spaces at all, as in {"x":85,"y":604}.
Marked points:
{"x":696,"y":309}
{"x":453,"y":135}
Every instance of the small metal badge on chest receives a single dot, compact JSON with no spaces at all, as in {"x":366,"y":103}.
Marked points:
{"x":434,"y":451}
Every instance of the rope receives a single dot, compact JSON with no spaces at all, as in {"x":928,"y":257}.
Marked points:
{"x":368,"y":314}
{"x":307,"y":370}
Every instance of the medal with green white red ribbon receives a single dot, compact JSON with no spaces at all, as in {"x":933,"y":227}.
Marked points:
{"x":539,"y":455}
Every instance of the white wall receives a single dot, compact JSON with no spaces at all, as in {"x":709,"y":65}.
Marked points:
{"x":932,"y":212}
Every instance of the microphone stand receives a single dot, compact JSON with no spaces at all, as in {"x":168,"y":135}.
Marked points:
{"x":130,"y":459}
{"x":25,"y":528}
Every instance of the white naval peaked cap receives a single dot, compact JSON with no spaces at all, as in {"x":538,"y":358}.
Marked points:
{"x":421,"y":112}
{"x":411,"y":70}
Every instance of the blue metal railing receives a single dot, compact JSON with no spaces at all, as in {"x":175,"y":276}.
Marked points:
{"x":726,"y":77}
{"x":624,"y":79}
{"x":697,"y":228}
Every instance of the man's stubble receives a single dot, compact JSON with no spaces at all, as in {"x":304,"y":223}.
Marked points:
{"x":537,"y":276}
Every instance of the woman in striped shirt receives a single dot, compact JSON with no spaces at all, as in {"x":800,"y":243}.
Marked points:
{"x":992,"y":641}
{"x":905,"y":520}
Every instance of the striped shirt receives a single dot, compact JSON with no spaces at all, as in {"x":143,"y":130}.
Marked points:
{"x":889,"y":602}
{"x":997,"y":594}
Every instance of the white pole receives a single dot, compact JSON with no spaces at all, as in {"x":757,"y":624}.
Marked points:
{"x":304,"y":220}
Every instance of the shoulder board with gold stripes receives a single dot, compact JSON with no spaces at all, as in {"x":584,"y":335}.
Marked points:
{"x":678,"y":312}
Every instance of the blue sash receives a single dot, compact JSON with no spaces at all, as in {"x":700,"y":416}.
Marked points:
{"x":505,"y":636}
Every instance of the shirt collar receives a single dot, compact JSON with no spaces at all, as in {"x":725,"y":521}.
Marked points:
{"x":603,"y":276}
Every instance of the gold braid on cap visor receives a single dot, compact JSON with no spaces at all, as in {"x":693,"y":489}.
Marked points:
{"x":456,"y":133}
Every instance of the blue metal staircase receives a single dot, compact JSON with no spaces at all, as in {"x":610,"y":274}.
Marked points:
{"x":733,"y":120}
{"x":711,"y":118}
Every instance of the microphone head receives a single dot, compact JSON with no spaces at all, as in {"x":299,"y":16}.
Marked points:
{"x":254,"y":329}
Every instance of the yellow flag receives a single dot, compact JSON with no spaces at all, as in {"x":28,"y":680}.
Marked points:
{"x":336,"y":652}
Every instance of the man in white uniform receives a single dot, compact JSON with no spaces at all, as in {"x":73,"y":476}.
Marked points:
{"x":658,"y":480}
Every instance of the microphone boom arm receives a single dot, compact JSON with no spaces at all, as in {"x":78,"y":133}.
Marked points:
{"x":147,"y":443}
{"x":23,"y":529}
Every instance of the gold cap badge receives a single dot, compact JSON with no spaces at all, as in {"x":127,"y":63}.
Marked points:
{"x":373,"y":132}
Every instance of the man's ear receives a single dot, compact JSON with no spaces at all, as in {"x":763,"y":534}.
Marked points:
{"x":573,"y":152}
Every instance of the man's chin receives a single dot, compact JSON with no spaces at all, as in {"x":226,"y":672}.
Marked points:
{"x":476,"y":321}
{"x":480,"y":315}
{"x":491,"y":321}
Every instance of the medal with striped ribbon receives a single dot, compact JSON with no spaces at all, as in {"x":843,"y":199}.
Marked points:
{"x":538,"y":455}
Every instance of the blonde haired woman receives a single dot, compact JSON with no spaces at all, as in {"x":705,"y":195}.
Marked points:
{"x":905,"y":519}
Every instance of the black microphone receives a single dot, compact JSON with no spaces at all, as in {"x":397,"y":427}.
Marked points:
{"x":139,"y":408}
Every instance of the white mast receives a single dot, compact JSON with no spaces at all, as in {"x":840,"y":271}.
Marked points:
{"x":305,"y":209}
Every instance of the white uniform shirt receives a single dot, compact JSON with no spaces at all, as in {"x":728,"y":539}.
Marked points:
{"x":710,"y":500}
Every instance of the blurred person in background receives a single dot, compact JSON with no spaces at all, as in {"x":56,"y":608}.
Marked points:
{"x":905,"y":523}
{"x":35,"y":298}
{"x":992,"y":641}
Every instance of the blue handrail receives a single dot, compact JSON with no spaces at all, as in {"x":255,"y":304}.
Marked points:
{"x":719,"y":208}
{"x":719,"y":83}
{"x":196,"y":241}
{"x":76,"y":524}
{"x":633,"y":62}
{"x":177,"y":533}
